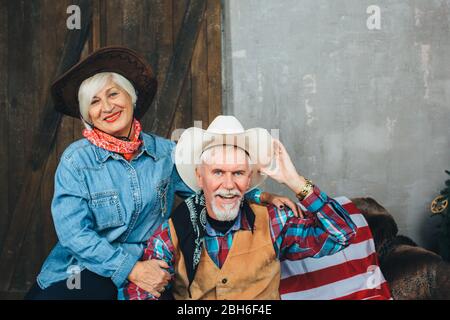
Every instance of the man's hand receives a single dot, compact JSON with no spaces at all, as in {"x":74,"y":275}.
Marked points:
{"x":283,"y":170}
{"x":280,"y":202}
{"x":150,"y":276}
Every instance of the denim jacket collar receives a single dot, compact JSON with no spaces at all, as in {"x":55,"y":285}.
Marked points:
{"x":148,"y":146}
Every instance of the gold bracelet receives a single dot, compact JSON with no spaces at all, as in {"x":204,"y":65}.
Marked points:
{"x":306,"y":189}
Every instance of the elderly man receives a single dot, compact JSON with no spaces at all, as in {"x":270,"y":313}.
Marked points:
{"x":218,"y":246}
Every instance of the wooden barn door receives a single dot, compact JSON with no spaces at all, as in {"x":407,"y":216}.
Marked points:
{"x":35,"y":46}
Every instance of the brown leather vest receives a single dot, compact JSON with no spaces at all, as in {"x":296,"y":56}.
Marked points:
{"x":251,"y":269}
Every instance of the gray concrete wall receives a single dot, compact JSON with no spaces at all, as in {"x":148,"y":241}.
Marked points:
{"x":362,"y":112}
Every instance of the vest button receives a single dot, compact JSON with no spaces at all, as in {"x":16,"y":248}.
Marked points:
{"x":224,"y":280}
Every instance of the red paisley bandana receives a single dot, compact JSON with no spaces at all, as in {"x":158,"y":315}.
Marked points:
{"x":110,"y":143}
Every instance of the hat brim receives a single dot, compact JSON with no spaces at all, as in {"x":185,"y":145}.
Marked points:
{"x":120,"y":60}
{"x":257,"y":142}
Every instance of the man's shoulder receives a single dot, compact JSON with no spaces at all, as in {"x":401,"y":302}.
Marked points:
{"x":179,"y":224}
{"x":274,"y":215}
{"x":265,"y":209}
{"x":181,"y":217}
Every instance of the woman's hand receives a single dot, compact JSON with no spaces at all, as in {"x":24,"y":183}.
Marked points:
{"x":280,"y":202}
{"x":150,"y":276}
{"x":283,"y":170}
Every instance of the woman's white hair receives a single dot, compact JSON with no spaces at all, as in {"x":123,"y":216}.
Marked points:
{"x":91,"y":86}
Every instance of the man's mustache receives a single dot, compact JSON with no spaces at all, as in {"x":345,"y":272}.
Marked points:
{"x":227,"y":193}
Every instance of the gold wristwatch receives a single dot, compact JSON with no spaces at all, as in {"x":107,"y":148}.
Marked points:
{"x":306,"y":189}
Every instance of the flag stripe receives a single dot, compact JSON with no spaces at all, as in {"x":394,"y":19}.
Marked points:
{"x":350,"y":274}
{"x":368,"y":294}
{"x":324,"y":276}
{"x":356,"y":251}
{"x":334,"y":290}
{"x":359,"y":220}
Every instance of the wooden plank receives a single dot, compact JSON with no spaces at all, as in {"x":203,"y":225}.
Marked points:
{"x":132,"y":19}
{"x":159,"y":45}
{"x":214,"y":48}
{"x":78,"y":126}
{"x":179,"y":8}
{"x":4,"y":106}
{"x":29,"y":259}
{"x":23,"y":87}
{"x":31,"y":103}
{"x":65,"y":133}
{"x":168,"y":96}
{"x":51,"y":45}
{"x":40,"y":234}
{"x":199,"y":76}
{"x":113,"y":18}
{"x":94,"y":39}
{"x":43,"y":142}
{"x":146,"y":40}
{"x":183,"y":115}
{"x":17,"y":231}
{"x":155,"y":40}
{"x":33,"y":83}
{"x":17,"y":70}
{"x":162,"y":16}
{"x":103,"y":6}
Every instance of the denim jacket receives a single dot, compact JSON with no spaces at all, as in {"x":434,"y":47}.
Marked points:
{"x":105,"y":208}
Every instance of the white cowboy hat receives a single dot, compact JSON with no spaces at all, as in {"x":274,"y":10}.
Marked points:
{"x":224,"y":130}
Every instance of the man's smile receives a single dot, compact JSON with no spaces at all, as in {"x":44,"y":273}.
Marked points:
{"x":227,"y":199}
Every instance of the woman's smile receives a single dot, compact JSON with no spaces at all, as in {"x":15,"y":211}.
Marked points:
{"x":113,"y":117}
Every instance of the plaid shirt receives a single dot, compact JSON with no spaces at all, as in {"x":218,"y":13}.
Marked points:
{"x":326,"y":229}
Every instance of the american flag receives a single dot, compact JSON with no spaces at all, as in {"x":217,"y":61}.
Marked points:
{"x":350,"y":274}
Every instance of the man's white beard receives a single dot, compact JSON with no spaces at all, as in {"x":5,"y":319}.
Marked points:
{"x":230,"y":211}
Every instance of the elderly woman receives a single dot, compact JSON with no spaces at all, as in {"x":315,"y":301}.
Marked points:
{"x":113,"y":188}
